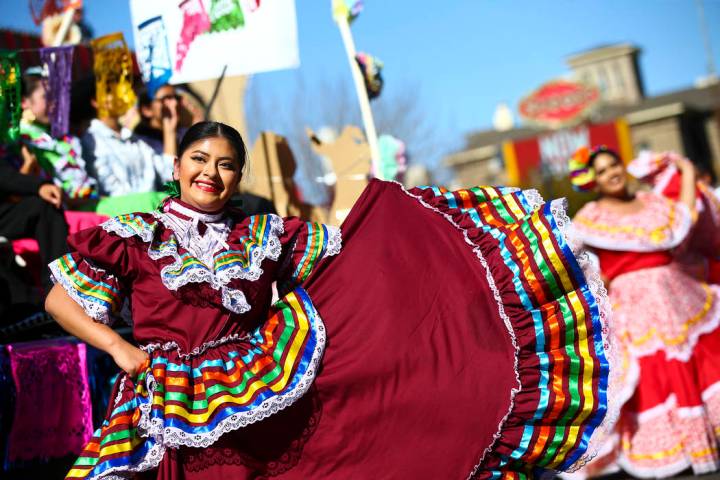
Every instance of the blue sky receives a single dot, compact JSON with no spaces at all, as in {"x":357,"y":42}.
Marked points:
{"x":462,"y":57}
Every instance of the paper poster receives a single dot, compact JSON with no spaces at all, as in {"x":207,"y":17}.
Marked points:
{"x":202,"y":36}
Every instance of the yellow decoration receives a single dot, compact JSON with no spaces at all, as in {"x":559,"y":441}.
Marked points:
{"x":113,"y":75}
{"x":340,"y":10}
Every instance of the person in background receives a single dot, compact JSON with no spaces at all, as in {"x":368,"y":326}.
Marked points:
{"x":31,"y":207}
{"x":86,"y":31}
{"x":167,"y":105}
{"x":121,"y":162}
{"x":664,"y":321}
{"x":58,"y":159}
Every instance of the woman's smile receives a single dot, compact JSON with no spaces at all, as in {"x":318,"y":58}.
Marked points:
{"x":207,"y":186}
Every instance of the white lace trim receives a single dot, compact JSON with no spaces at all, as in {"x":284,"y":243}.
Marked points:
{"x":113,"y":225}
{"x":501,"y":310}
{"x":172,"y":437}
{"x":271,"y":250}
{"x":232,"y":299}
{"x":172,"y":345}
{"x":149,"y":462}
{"x":98,"y":312}
{"x":534,"y":198}
{"x":187,"y":233}
{"x":684,"y":352}
{"x":558,"y":209}
{"x":253,"y":272}
{"x":334,"y":244}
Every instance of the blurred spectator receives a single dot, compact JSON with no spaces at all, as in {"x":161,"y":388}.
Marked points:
{"x":86,"y":31}
{"x":30,"y":207}
{"x":121,"y":162}
{"x":57,"y":158}
{"x":158,"y":111}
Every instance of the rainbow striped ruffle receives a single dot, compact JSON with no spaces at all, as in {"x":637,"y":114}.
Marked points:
{"x":555,"y":317}
{"x":193,"y":399}
{"x":97,"y":293}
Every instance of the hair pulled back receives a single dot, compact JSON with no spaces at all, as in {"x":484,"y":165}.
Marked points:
{"x":202,"y":130}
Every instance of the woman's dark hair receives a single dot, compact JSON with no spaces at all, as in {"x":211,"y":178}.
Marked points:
{"x":602,"y":149}
{"x":143,"y":95}
{"x":30,"y":83}
{"x":203,"y":130}
{"x":82,"y":94}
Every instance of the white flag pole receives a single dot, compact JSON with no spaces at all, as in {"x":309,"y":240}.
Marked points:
{"x":363,"y":99}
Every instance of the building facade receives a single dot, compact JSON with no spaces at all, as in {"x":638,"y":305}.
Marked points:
{"x":686,"y":121}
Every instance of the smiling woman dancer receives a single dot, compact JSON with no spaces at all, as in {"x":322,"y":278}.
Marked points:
{"x":665,"y":322}
{"x":456,"y":335}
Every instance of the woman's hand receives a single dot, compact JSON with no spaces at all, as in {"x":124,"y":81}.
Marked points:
{"x":30,"y":164}
{"x":684,"y":165}
{"x":687,"y":184}
{"x":70,"y":315}
{"x":51,"y":194}
{"x":129,"y":358}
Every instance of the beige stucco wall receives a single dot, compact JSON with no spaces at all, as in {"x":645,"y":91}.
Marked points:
{"x":483,"y":171}
{"x":659,"y":135}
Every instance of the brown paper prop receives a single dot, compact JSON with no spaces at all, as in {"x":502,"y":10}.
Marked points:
{"x":113,"y":75}
{"x":270,"y":174}
{"x":350,"y":158}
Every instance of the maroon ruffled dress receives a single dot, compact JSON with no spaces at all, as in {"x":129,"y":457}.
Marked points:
{"x":457,"y":335}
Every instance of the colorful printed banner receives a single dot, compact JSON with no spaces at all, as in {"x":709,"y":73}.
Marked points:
{"x":204,"y":36}
{"x":153,"y":54}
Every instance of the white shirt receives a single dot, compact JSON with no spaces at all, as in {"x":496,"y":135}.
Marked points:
{"x":122,"y":163}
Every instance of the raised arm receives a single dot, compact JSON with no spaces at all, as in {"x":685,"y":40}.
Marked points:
{"x":687,"y":184}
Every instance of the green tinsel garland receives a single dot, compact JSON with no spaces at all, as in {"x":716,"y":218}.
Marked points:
{"x":10,"y":109}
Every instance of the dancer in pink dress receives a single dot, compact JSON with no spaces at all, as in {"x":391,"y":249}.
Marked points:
{"x":665,"y":322}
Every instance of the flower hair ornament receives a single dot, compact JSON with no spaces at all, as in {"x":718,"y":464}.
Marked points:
{"x":582,"y":174}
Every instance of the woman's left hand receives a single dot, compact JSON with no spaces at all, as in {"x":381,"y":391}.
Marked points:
{"x":683,"y":164}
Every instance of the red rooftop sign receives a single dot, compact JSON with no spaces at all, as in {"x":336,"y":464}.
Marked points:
{"x":559,"y":103}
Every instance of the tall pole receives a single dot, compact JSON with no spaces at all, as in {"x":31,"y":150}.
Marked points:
{"x":362,"y":94}
{"x":706,"y":40}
